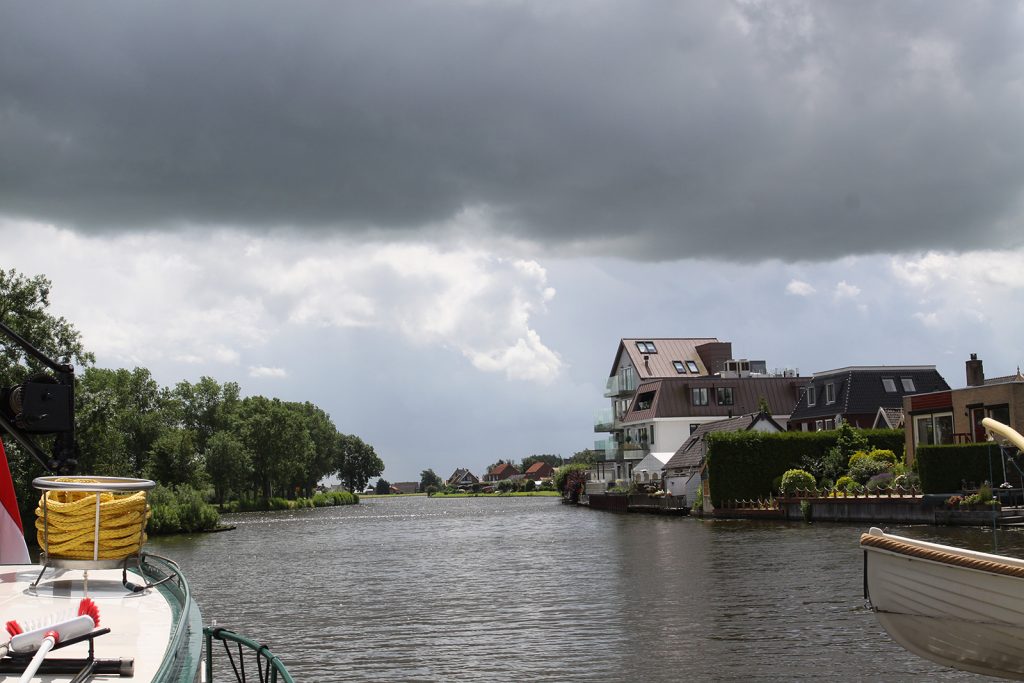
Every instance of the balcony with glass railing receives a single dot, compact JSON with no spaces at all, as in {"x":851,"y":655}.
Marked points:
{"x":619,"y":385}
{"x":604,"y":420}
{"x":610,"y":447}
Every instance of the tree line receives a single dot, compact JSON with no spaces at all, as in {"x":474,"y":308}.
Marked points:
{"x":203,"y":435}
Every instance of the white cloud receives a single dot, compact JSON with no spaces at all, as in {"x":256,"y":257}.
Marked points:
{"x":262,"y":371}
{"x":845,"y":290}
{"x":800,"y":288}
{"x":211,"y":298}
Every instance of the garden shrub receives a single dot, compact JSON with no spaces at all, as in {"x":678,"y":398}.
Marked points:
{"x":863,"y":469}
{"x":794,"y":479}
{"x":883,"y":454}
{"x":277,"y":503}
{"x":180,"y":510}
{"x":844,"y":482}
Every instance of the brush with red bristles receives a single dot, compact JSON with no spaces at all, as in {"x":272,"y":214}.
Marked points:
{"x":42,"y":640}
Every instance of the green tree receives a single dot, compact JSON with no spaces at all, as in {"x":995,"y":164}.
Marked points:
{"x":383,"y":486}
{"x":277,"y":441}
{"x":174,"y":460}
{"x":228,"y":463}
{"x":430,"y":478}
{"x":586,"y":457}
{"x":23,"y":307}
{"x":358,"y":462}
{"x":205,"y":407}
{"x":121,"y":413}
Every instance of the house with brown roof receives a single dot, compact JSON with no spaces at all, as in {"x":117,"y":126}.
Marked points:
{"x":683,"y":472}
{"x":539,"y":470}
{"x":855,"y":394}
{"x":501,"y":471}
{"x":955,"y":415}
{"x":405,"y":487}
{"x":462,"y":478}
{"x":662,"y":390}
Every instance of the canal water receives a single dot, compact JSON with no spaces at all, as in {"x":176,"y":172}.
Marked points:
{"x":418,"y":589}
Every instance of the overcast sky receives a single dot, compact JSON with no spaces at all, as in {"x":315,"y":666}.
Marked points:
{"x":436,"y":219}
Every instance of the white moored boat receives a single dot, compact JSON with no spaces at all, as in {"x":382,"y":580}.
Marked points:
{"x":956,"y":607}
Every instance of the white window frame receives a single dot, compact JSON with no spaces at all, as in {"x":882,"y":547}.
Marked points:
{"x":830,"y":393}
{"x":812,"y":397}
{"x":908,"y":380}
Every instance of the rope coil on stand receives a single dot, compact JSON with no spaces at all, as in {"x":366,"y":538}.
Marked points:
{"x":67,"y":521}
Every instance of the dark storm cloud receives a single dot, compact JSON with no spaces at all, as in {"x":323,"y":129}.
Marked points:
{"x":748,"y":130}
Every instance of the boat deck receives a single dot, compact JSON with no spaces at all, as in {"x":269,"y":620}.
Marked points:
{"x":140,"y":623}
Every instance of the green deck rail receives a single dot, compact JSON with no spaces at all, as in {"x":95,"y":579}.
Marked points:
{"x":269,"y":669}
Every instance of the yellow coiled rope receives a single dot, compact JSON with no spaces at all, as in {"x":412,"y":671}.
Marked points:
{"x":70,"y":523}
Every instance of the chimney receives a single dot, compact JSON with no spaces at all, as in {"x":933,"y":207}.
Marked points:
{"x":975,"y":373}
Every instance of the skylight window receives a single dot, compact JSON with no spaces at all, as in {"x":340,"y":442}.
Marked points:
{"x":680,"y":368}
{"x":889,"y":384}
{"x":908,"y":383}
{"x":692,"y":367}
{"x":646,"y":347}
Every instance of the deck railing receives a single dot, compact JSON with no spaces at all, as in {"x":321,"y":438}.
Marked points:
{"x":804,"y":494}
{"x":264,"y":666}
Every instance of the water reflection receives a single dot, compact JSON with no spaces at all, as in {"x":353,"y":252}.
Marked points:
{"x":525,"y":588}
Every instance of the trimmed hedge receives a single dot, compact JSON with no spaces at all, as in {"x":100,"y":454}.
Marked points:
{"x":742,"y":465}
{"x":943,"y":469}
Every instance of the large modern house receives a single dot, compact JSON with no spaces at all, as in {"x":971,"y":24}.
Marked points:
{"x":662,"y":390}
{"x":855,"y":394}
{"x":954,"y":415}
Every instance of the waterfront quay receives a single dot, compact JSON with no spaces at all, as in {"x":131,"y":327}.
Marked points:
{"x":886,"y":508}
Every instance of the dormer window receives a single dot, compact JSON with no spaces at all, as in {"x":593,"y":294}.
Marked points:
{"x":830,"y":393}
{"x":812,"y":397}
{"x":692,"y":367}
{"x":680,"y":368}
{"x":646,"y":347}
{"x":644,"y":400}
{"x":889,"y":384}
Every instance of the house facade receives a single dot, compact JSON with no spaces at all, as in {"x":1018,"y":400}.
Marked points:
{"x":539,"y":470}
{"x":855,"y":394}
{"x":462,"y":478}
{"x":500,"y":472}
{"x":662,"y":390}
{"x":955,"y":415}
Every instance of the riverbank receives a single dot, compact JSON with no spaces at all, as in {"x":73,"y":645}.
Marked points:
{"x":869,"y":509}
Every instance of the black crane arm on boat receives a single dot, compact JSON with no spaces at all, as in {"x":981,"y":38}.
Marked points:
{"x":42,"y":404}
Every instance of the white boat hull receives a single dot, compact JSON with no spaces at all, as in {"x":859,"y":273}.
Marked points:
{"x":955,"y":607}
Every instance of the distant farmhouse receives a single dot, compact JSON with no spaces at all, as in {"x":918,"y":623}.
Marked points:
{"x":462,"y":478}
{"x":539,"y":470}
{"x":500,"y":472}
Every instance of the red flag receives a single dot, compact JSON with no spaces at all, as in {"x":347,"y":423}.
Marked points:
{"x":12,"y":537}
